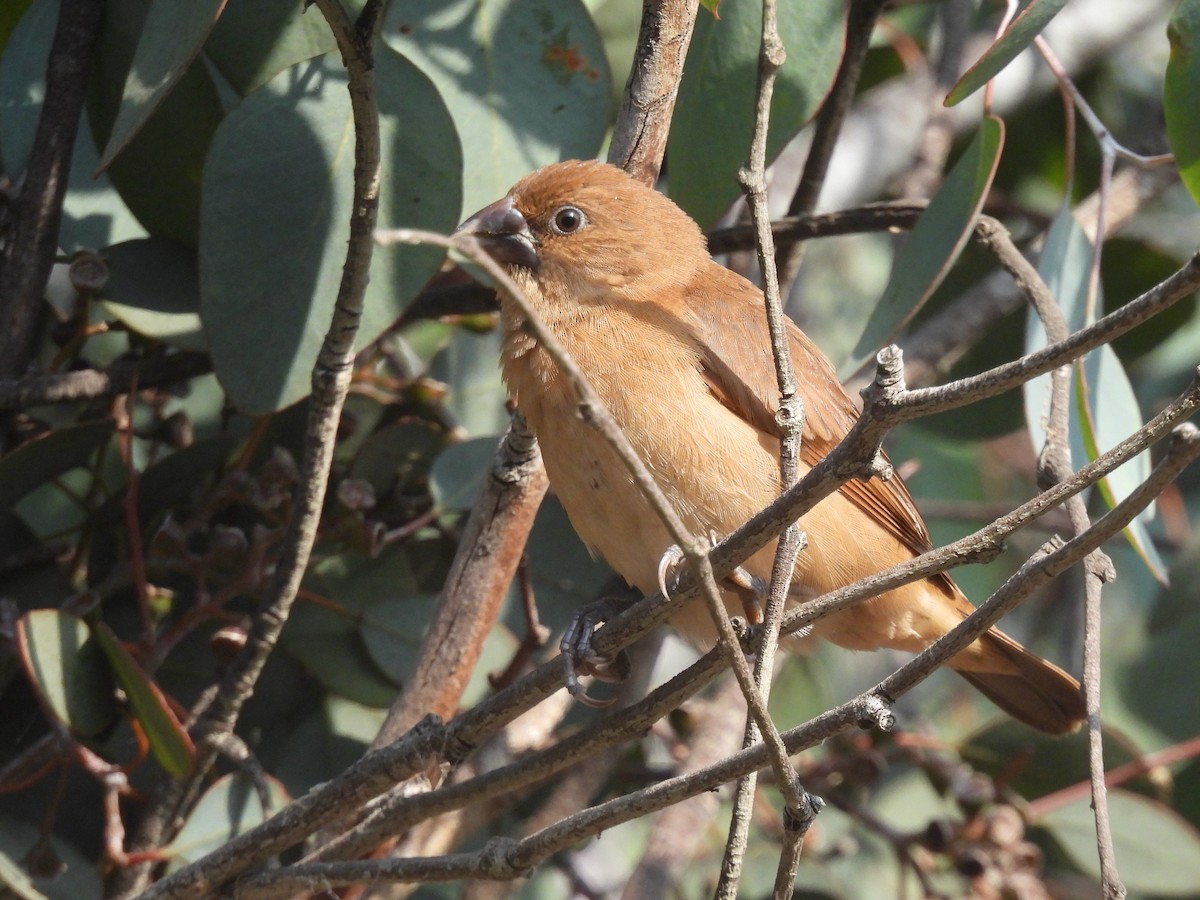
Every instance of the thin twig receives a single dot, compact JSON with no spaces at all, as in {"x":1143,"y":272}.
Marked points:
{"x":505,"y":858}
{"x":97,"y":384}
{"x":413,"y":752}
{"x":330,"y":381}
{"x":790,"y":416}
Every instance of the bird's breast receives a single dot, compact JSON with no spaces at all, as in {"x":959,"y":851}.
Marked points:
{"x":715,"y":468}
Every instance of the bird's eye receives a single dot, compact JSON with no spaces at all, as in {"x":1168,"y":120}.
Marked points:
{"x":568,"y":220}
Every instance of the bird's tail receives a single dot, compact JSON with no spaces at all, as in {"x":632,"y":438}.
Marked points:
{"x":1024,"y":685}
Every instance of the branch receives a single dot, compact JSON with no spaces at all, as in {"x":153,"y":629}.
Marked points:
{"x":801,"y":807}
{"x":505,"y":858}
{"x":27,"y":250}
{"x":330,"y":381}
{"x":640,"y":136}
{"x":986,"y":543}
{"x":97,"y":384}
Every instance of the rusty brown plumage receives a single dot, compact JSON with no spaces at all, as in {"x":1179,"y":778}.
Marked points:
{"x":675,"y":346}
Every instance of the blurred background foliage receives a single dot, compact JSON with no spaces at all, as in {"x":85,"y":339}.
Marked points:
{"x":206,"y":219}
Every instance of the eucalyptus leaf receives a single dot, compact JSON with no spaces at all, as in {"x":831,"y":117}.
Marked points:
{"x":278,"y":191}
{"x":1034,"y":16}
{"x":171,"y":38}
{"x":526,"y":81}
{"x":1104,"y":409}
{"x":169,"y":740}
{"x":229,"y":807}
{"x":469,"y":366}
{"x":934,"y":243}
{"x":94,"y":215}
{"x":459,"y":473}
{"x":254,"y":42}
{"x":66,"y":667}
{"x":157,"y":169}
{"x":38,"y":461}
{"x":1181,"y":86}
{"x":714,"y":114}
{"x":324,"y":631}
{"x":153,"y":287}
{"x":1157,"y":850}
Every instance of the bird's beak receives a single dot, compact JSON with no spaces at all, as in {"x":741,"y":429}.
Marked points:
{"x":503,"y":232}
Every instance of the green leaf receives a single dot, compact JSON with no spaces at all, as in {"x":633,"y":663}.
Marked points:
{"x":1157,"y":851}
{"x":278,"y":187}
{"x":935,"y":242}
{"x":169,"y":741}
{"x":229,"y":807}
{"x":254,"y":42}
{"x":714,"y":115}
{"x":34,"y":463}
{"x":94,"y":215}
{"x":476,"y":395}
{"x":170,"y":40}
{"x":67,"y":669}
{"x":1181,"y":86}
{"x":1027,"y":25}
{"x":397,"y":457}
{"x":527,"y":82}
{"x":154,"y":289}
{"x":393,"y":628}
{"x":565,"y":575}
{"x":158,"y":169}
{"x":459,"y":473}
{"x":1064,"y":266}
{"x":324,"y":631}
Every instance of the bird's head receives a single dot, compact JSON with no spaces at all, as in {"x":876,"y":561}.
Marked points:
{"x":585,"y":232}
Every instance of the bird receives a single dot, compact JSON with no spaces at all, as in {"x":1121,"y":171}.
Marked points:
{"x":675,"y":345}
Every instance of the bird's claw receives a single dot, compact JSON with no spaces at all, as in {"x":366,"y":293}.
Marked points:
{"x":749,"y":588}
{"x":580,"y":658}
{"x":666,"y":566}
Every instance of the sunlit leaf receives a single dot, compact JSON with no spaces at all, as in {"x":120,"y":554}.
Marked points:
{"x":714,"y":115}
{"x":527,"y":82}
{"x":278,"y":190}
{"x":66,"y":666}
{"x":1157,"y":850}
{"x":169,"y":741}
{"x":158,"y":169}
{"x":1181,"y":86}
{"x":229,"y":807}
{"x":1104,"y":409}
{"x":171,"y":37}
{"x":1027,"y":25}
{"x":935,"y":242}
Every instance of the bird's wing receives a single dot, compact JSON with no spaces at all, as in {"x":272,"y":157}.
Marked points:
{"x":735,"y":359}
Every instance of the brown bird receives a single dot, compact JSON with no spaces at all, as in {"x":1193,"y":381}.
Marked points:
{"x":675,"y":345}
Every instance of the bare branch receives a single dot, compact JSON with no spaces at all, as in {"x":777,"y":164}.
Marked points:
{"x":640,"y":136}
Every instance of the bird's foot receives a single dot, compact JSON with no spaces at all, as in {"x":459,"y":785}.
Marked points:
{"x":750,"y":589}
{"x":580,"y":656}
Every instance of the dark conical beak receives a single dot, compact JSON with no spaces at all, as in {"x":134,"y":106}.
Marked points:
{"x":503,"y":232}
